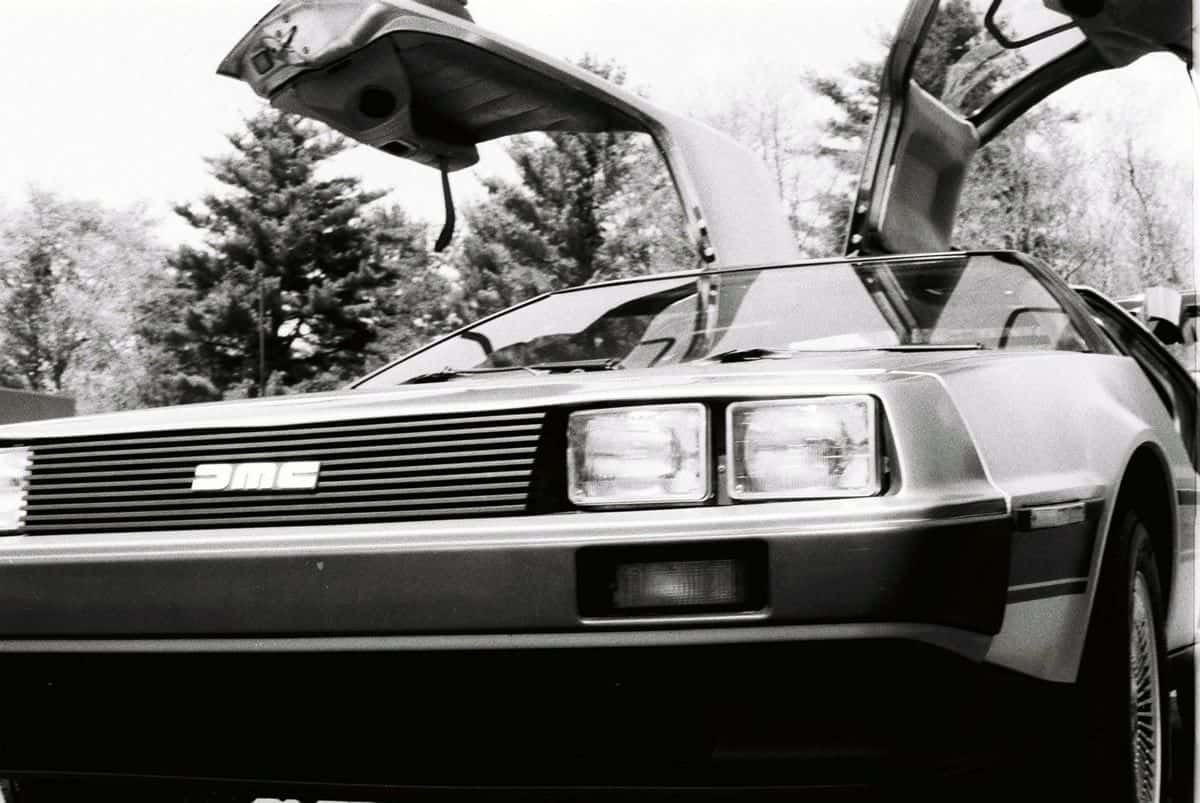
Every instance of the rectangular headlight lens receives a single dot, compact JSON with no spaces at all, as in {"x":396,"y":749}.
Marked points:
{"x":803,"y":448}
{"x":14,"y":463}
{"x":638,"y":455}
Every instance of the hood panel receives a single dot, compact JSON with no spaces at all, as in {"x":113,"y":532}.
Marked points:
{"x":809,"y":374}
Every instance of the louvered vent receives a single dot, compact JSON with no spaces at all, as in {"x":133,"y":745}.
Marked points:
{"x":371,"y":471}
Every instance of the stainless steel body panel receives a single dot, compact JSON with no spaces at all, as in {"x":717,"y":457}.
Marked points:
{"x":510,"y":576}
{"x":1063,"y":427}
{"x":972,"y":435}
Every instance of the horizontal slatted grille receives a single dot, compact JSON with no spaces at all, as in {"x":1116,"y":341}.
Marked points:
{"x":371,"y":471}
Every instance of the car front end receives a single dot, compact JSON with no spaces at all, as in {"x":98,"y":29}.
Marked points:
{"x":473,"y":561}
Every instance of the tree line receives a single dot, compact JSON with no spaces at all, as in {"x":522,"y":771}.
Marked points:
{"x":302,"y":282}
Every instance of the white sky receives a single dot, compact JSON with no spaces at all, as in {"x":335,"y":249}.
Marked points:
{"x":118,"y":100}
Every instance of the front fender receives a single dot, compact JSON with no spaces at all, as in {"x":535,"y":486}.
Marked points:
{"x":1056,"y":428}
{"x":1053,"y":429}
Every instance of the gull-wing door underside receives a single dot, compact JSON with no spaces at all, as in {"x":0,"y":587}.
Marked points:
{"x":917,"y":156}
{"x":920,"y":148}
{"x":427,"y":84}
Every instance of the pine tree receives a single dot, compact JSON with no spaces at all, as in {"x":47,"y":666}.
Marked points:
{"x":423,"y":299}
{"x":584,"y":208}
{"x":294,"y":282}
{"x":843,"y":146}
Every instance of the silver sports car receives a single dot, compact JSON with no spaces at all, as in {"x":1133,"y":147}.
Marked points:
{"x":760,"y":523}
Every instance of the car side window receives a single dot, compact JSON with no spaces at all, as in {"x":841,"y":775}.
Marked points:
{"x":1186,"y":352}
{"x":1157,"y":375}
{"x":1104,"y":326}
{"x":1122,"y":336}
{"x":1174,"y":385}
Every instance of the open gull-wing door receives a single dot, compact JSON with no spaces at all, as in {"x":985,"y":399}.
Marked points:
{"x":917,"y":156}
{"x":919,"y":149}
{"x":426,"y":83}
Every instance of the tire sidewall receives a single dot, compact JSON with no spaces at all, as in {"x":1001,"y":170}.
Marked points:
{"x":1104,"y":680}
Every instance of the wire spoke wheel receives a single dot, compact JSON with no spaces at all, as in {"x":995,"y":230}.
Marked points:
{"x":1145,"y":708}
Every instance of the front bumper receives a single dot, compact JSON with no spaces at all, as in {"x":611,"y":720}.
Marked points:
{"x":836,"y":569}
{"x":456,"y":655}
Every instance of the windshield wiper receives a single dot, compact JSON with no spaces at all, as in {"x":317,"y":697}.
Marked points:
{"x":571,"y":366}
{"x":915,"y":347}
{"x":537,"y":369}
{"x":748,"y":355}
{"x":446,"y":374}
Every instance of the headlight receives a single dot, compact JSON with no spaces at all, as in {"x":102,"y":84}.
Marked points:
{"x":803,"y":448}
{"x":638,"y":455}
{"x":14,"y":463}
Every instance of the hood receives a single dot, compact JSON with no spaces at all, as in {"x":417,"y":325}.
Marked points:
{"x":808,"y":374}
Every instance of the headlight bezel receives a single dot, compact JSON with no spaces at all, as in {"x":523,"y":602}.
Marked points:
{"x":706,"y":491}
{"x":875,"y":446}
{"x":14,"y":481}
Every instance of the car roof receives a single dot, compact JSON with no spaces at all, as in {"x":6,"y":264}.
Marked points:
{"x":932,"y":256}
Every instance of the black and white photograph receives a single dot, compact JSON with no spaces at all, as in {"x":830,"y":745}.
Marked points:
{"x":598,"y":400}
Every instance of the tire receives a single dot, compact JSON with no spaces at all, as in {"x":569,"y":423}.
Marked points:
{"x":1122,"y":680}
{"x":1184,"y":749}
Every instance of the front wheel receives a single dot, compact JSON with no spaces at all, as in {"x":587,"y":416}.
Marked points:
{"x":1146,"y":711}
{"x":1122,"y":677}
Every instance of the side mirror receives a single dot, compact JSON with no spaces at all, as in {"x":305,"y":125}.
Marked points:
{"x":1162,"y":312}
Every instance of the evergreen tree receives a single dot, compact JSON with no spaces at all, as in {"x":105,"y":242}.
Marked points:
{"x":584,"y":208}
{"x":855,"y":97}
{"x":294,"y":281}
{"x":423,"y":300}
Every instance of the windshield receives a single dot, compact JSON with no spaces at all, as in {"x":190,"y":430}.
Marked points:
{"x":978,"y":301}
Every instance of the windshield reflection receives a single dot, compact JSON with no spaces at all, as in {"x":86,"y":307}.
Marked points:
{"x":956,"y":301}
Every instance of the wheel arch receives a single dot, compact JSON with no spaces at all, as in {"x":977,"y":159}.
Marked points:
{"x":1147,"y":486}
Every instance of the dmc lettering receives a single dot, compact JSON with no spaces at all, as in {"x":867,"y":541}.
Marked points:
{"x":294,"y":476}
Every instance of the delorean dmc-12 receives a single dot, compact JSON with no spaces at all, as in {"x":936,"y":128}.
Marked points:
{"x":751,"y":524}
